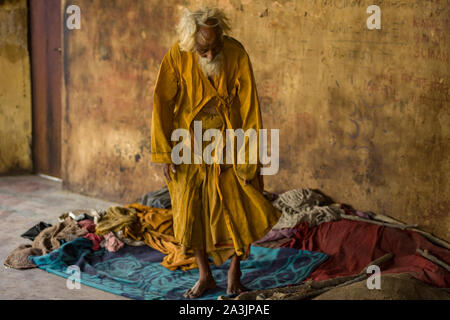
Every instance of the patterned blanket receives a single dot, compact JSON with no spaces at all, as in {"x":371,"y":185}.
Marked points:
{"x":137,"y":273}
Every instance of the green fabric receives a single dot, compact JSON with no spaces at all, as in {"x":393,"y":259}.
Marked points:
{"x":116,"y":218}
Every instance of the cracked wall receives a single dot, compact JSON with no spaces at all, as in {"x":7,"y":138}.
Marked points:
{"x":363,"y":114}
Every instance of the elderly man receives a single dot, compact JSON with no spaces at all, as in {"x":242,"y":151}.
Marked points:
{"x":218,"y":209}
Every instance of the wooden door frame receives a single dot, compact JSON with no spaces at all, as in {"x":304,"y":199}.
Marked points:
{"x":45,"y":38}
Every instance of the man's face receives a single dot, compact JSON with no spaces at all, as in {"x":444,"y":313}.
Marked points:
{"x":208,"y":42}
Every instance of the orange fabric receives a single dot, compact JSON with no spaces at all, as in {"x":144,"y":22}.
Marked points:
{"x":155,"y":228}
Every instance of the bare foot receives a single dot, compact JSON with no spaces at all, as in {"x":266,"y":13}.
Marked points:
{"x":200,"y":287}
{"x":234,"y":284}
{"x":235,"y":287}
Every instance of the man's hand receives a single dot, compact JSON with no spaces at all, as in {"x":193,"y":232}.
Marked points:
{"x":260,"y":182}
{"x":166,"y":168}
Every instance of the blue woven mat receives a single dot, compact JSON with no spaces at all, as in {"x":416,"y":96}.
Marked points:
{"x":137,"y":273}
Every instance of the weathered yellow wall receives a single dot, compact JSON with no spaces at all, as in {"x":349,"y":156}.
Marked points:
{"x":363,"y":115}
{"x":15,"y":89}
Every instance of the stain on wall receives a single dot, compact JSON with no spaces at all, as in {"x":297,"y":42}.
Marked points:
{"x":363,"y":114}
{"x":15,"y":89}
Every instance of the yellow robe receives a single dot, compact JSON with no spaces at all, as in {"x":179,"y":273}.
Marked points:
{"x":211,"y":206}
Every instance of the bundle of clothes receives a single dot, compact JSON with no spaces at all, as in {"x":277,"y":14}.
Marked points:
{"x":309,"y":221}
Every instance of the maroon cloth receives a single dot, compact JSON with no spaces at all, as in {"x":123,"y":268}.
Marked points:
{"x":96,"y":240}
{"x":87,"y":224}
{"x":352,"y":245}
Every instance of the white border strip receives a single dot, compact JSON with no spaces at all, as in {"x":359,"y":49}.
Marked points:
{"x":49,"y":177}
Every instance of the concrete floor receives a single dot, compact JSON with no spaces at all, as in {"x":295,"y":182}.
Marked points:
{"x":25,"y":201}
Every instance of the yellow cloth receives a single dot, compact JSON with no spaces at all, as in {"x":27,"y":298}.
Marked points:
{"x":211,"y":206}
{"x":154,"y":226}
{"x":115,"y":219}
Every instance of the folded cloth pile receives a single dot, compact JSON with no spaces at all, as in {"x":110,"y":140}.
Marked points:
{"x":352,"y":245}
{"x":46,"y":238}
{"x":87,"y":224}
{"x":83,"y":214}
{"x":153,"y":226}
{"x":304,"y":205}
{"x":112,"y":243}
{"x":156,"y":199}
{"x":35,"y":230}
{"x":135,"y":243}
{"x":46,"y":241}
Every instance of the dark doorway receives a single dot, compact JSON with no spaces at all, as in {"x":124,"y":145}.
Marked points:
{"x":46,"y":70}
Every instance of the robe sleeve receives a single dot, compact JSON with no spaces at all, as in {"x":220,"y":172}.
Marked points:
{"x":164,"y":97}
{"x":250,"y":114}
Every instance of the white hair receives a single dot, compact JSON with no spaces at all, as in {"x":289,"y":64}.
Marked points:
{"x":190,"y":21}
{"x":211,"y":68}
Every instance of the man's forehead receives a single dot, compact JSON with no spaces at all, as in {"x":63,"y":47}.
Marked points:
{"x":207,"y":36}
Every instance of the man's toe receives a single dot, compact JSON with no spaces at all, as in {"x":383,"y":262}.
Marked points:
{"x":187,"y":293}
{"x":236,"y":290}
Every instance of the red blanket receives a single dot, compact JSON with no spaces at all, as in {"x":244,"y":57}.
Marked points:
{"x":352,"y":245}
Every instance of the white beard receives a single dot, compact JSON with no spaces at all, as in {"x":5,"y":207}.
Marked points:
{"x":211,"y":68}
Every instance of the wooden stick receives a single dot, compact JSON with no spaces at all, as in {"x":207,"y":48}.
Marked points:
{"x":337,"y":281}
{"x":378,"y":262}
{"x":380,"y":223}
{"x":387,"y":219}
{"x":427,"y":235}
{"x":433,"y":239}
{"x":432,"y":258}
